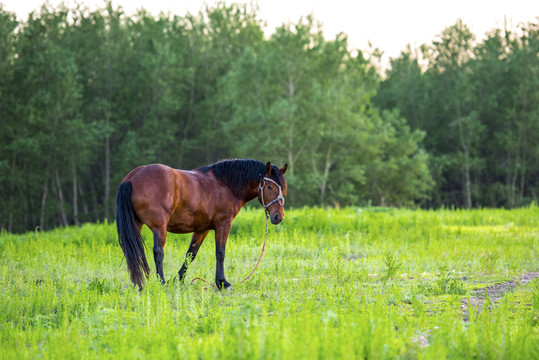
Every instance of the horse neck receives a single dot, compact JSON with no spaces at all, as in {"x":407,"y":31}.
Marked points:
{"x":251,"y":191}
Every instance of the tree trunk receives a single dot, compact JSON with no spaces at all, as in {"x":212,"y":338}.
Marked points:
{"x":61,"y":207}
{"x":290,"y":156}
{"x":85,"y":209}
{"x":522,"y":182}
{"x":467,"y":180}
{"x":75,"y":192}
{"x":95,"y":201}
{"x":515,"y":174}
{"x":44,"y":201}
{"x":11,"y":191}
{"x":326,"y":175}
{"x":107,"y":172}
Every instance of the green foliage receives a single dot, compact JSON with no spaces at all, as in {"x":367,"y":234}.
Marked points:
{"x":392,"y":265}
{"x":445,"y":284}
{"x":66,"y":293}
{"x":477,"y":104}
{"x":449,"y":285}
{"x":488,"y":261}
{"x":316,"y":116}
{"x":535,"y":300}
{"x":87,"y":95}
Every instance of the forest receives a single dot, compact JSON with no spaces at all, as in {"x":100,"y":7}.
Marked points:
{"x":88,"y":95}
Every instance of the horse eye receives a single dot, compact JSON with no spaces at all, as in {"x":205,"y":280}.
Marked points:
{"x":269,"y":187}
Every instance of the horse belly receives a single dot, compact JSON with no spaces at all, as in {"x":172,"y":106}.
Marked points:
{"x":182,"y":222}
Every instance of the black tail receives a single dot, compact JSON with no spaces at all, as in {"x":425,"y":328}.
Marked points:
{"x":129,"y":236}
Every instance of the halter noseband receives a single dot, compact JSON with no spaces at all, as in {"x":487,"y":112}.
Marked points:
{"x":279,"y":198}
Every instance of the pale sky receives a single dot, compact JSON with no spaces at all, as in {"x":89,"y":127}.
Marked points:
{"x":388,"y":24}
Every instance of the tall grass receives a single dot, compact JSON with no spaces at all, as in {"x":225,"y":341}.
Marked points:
{"x":349,"y":283}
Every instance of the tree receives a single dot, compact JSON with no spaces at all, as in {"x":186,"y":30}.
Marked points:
{"x":452,"y":54}
{"x":306,"y":101}
{"x":8,"y":122}
{"x":218,"y":37}
{"x":519,"y":140}
{"x":85,"y":96}
{"x":399,"y":175}
{"x":405,"y":88}
{"x":158,"y":78}
{"x":49,"y":97}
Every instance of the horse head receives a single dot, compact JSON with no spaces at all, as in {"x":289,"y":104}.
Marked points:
{"x":271,"y":192}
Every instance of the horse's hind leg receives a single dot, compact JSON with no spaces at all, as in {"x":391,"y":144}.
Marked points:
{"x":159,"y":240}
{"x":196,"y":241}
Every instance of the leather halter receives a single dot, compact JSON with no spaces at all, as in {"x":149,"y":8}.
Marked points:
{"x":279,"y":198}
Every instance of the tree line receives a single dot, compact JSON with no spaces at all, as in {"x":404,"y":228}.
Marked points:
{"x":479,"y":104}
{"x":85,"y":96}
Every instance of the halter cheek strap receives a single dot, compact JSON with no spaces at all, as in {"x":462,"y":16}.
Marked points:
{"x":279,"y":198}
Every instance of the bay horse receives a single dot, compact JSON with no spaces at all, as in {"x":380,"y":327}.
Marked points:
{"x":197,"y":201}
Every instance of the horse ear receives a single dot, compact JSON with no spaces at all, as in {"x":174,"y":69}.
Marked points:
{"x":283,"y":169}
{"x":268,"y":169}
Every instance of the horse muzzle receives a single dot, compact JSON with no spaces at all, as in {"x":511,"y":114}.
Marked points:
{"x":276,"y":218}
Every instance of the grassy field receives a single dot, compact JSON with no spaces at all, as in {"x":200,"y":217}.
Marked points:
{"x":349,"y":283}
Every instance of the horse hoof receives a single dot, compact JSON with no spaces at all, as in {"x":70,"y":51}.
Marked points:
{"x":225,"y":285}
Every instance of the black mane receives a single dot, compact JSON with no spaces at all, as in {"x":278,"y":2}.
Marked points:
{"x":238,"y":173}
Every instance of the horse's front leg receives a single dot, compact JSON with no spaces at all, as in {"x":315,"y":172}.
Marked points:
{"x":196,"y":241}
{"x":221,"y":236}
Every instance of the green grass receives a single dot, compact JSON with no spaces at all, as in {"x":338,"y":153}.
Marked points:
{"x":349,"y":283}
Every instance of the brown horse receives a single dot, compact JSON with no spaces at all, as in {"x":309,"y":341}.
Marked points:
{"x":196,"y":201}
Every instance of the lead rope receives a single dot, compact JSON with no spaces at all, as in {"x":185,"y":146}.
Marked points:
{"x":260,"y":258}
{"x":263,"y":248}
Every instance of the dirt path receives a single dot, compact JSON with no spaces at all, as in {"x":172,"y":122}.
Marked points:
{"x":495,"y":292}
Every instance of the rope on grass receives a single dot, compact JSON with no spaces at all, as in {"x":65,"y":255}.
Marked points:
{"x":252,"y":272}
